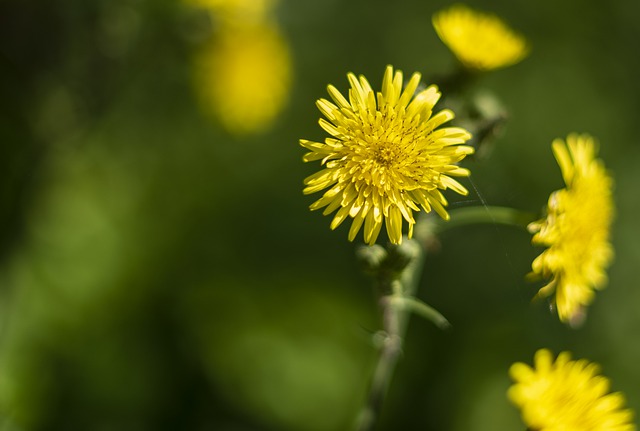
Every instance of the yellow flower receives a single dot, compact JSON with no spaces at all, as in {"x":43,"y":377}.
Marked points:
{"x":566,"y":395}
{"x":243,"y":76}
{"x":576,"y":229}
{"x":479,"y":40}
{"x":385,"y":156}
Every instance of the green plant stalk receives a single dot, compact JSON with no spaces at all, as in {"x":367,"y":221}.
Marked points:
{"x":397,"y":289}
{"x":394,"y":290}
{"x":485,"y":214}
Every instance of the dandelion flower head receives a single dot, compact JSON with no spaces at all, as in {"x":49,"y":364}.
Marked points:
{"x":576,"y":229}
{"x":242,"y":76}
{"x":566,"y":395}
{"x":481,"y":41}
{"x":387,"y":156}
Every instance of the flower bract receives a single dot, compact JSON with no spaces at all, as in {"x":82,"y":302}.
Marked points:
{"x":386,"y":156}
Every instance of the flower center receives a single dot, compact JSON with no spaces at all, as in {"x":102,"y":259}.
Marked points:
{"x":387,"y":154}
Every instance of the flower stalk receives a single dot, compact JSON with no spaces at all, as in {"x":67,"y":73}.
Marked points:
{"x":486,"y":214}
{"x":397,"y":270}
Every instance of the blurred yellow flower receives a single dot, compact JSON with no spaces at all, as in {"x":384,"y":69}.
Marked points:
{"x":243,"y":76}
{"x":566,"y":395}
{"x":576,"y":229}
{"x":385,"y":156}
{"x":481,"y":41}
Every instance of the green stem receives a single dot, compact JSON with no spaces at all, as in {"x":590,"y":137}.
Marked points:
{"x":422,"y":309}
{"x":486,"y":214}
{"x":457,"y":82}
{"x":394,"y":287}
{"x":398,"y":270}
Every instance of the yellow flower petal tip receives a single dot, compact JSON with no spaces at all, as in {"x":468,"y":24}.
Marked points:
{"x":386,"y":156}
{"x":564,"y":394}
{"x":576,"y":229}
{"x":480,"y":41}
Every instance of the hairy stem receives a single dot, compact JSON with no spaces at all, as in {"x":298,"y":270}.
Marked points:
{"x":393,"y":286}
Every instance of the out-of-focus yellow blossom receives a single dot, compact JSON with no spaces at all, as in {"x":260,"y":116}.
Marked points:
{"x":481,"y":41}
{"x":243,"y":76}
{"x":566,"y":395}
{"x":576,"y":229}
{"x":386,"y":155}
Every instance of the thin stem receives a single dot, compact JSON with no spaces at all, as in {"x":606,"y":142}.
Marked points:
{"x":394,"y":288}
{"x":389,"y":354}
{"x":398,"y":270}
{"x":486,"y":214}
{"x":457,"y":82}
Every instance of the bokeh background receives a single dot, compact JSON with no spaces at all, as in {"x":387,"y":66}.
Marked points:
{"x":159,"y":267}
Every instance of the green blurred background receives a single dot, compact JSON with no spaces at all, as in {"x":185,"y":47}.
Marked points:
{"x":159,"y":271}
